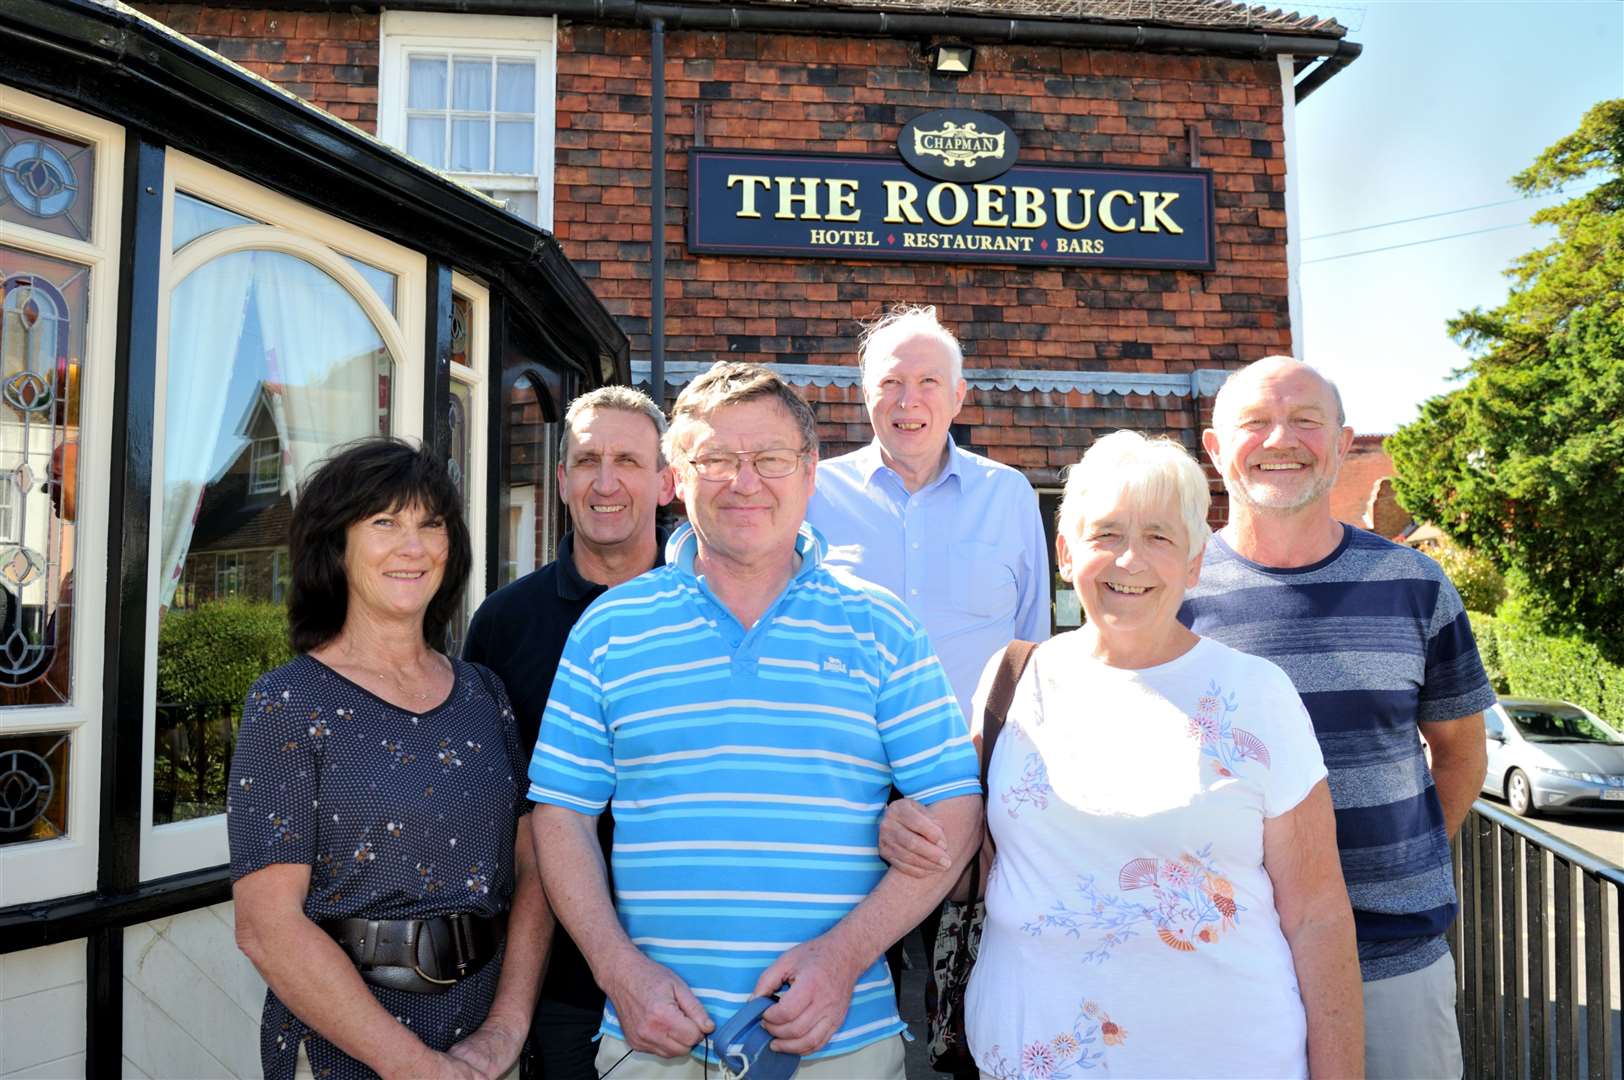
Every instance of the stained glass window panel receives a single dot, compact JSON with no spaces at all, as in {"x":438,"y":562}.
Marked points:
{"x":33,"y":787}
{"x":42,"y":329}
{"x":46,"y":180}
{"x":462,"y":313}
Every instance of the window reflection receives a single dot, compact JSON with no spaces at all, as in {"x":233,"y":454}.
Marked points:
{"x":1065,"y":609}
{"x":530,"y":516}
{"x":382,"y":281}
{"x":272,"y":364}
{"x":42,"y":320}
{"x":193,"y":217}
{"x":460,"y":409}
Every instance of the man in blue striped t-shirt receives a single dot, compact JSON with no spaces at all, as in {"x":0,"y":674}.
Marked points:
{"x":746,"y":710}
{"x":1376,"y":641}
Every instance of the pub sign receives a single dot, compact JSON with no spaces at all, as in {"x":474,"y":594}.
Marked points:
{"x":954,"y":194}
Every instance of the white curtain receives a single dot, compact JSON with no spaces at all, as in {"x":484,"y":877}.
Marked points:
{"x":319,"y":371}
{"x":321,"y":355}
{"x":206,"y":313}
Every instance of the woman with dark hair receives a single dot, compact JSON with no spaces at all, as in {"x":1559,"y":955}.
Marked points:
{"x":375,"y":795}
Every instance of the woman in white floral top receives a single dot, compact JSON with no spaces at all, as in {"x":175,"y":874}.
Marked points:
{"x":1165,"y":898}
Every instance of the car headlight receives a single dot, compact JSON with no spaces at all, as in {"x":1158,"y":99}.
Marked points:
{"x":1587,"y":777}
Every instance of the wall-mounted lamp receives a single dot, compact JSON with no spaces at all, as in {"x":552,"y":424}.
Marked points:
{"x":951,"y":58}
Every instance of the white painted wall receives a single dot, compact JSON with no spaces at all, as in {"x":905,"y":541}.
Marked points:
{"x":42,"y":1012}
{"x":192,"y":1001}
{"x":1294,"y":221}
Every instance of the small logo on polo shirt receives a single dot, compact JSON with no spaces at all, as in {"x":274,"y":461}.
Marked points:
{"x":833,"y":664}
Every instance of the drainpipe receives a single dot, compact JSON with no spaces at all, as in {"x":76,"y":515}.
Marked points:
{"x":656,"y":320}
{"x":1346,"y":53}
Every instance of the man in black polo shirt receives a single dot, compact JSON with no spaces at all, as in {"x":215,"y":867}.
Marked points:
{"x":613,"y":479}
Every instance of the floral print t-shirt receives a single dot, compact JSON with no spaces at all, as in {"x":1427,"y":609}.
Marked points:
{"x":1131,"y":928}
{"x":399,"y":815}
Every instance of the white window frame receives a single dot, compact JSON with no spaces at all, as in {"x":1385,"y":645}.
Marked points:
{"x":8,"y":512}
{"x":281,"y":572}
{"x":67,"y":865}
{"x":256,"y":455}
{"x":403,"y":32}
{"x":300,"y":230}
{"x":475,"y":376}
{"x":228,"y":569}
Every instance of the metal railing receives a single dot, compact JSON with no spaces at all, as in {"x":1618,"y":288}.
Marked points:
{"x":1538,"y":953}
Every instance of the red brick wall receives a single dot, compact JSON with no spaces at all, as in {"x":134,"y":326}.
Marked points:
{"x":1365,"y":466}
{"x":329,"y":60}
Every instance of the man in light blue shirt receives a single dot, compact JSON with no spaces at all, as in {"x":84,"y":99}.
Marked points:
{"x":746,"y":710}
{"x":957,"y":536}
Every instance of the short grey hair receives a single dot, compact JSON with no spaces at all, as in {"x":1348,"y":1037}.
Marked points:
{"x":734,"y":382}
{"x":1245,"y":374}
{"x":617,"y":398}
{"x":904,"y":322}
{"x":1149,"y":472}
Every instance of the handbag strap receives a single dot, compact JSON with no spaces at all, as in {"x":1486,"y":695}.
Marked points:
{"x":1010,"y":667}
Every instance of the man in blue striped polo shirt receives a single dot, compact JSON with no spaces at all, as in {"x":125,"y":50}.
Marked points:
{"x":1376,"y":641}
{"x":746,"y":709}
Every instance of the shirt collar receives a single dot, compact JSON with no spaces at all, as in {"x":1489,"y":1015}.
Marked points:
{"x":683,"y":546}
{"x":572,"y":586}
{"x":871,"y":463}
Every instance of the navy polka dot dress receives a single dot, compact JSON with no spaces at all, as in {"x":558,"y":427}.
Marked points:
{"x":399,"y":815}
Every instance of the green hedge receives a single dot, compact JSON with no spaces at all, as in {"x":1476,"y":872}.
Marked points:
{"x":215,"y":652}
{"x":1524,"y":662}
{"x":208,"y":657}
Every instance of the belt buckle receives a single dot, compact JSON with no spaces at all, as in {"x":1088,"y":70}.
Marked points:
{"x":426,"y":977}
{"x":455,"y":925}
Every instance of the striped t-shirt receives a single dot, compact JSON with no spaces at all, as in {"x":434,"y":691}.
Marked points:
{"x":748,"y":770}
{"x":1375,"y":639}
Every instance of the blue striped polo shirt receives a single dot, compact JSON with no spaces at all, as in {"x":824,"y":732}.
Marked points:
{"x":1375,"y":638}
{"x":748,"y":769}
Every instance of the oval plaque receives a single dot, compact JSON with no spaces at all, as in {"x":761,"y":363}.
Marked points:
{"x":958,"y":145}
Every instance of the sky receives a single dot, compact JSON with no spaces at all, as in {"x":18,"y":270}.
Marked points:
{"x":1448,"y":101}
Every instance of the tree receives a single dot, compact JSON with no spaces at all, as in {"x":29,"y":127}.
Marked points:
{"x":1480,"y":584}
{"x":1525,"y":462}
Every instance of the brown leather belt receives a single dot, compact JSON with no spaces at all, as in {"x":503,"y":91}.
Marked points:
{"x":419,"y":956}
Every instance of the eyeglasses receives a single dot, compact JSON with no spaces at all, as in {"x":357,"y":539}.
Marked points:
{"x":771,"y":464}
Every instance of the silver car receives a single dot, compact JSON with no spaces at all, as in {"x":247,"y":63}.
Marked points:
{"x":1549,"y":755}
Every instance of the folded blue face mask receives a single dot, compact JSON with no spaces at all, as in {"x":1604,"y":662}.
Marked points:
{"x":742,"y":1045}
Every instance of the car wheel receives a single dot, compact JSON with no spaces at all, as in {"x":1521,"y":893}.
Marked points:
{"x":1519,"y":795}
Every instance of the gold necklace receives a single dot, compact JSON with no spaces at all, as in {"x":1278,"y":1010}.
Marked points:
{"x":400,"y":688}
